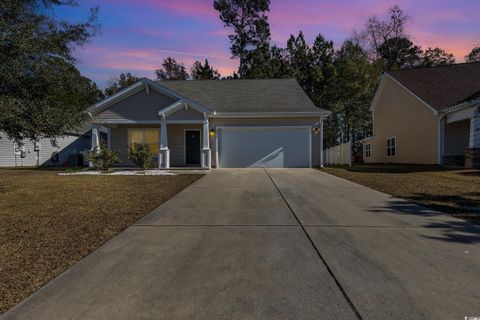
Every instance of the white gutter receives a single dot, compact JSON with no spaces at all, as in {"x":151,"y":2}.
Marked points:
{"x":365,"y":139}
{"x":460,"y":106}
{"x":269,"y":114}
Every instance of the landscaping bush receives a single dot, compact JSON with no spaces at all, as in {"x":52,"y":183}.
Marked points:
{"x":140,"y":155}
{"x":103,"y":158}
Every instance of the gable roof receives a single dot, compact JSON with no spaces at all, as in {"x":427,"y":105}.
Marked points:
{"x":136,"y":87}
{"x":246,"y":95}
{"x":441,"y":87}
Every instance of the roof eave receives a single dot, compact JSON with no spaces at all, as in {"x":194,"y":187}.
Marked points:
{"x":375,"y":97}
{"x":463,"y":105}
{"x":366,"y":139}
{"x":136,"y":87}
{"x":181,"y":104}
{"x":323,"y":113}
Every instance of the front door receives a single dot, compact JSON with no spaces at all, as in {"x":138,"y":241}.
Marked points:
{"x":192,"y":147}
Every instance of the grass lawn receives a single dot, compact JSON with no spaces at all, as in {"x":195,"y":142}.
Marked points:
{"x":452,"y":191}
{"x":48,"y":222}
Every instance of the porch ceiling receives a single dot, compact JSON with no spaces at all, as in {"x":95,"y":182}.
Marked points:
{"x":460,"y":115}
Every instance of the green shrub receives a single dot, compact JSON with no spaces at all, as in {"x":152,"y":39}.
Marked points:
{"x":104,"y":158}
{"x":141,"y":155}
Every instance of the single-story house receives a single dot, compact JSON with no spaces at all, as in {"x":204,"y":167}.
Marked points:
{"x":214,"y":123}
{"x":70,"y":149}
{"x":427,"y":116}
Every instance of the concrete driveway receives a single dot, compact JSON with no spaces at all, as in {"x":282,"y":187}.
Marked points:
{"x":274,"y":244}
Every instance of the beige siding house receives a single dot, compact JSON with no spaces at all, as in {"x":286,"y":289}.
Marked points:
{"x":212,"y":123}
{"x":427,"y":116}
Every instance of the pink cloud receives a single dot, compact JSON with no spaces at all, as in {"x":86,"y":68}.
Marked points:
{"x":342,"y":15}
{"x":143,"y":62}
{"x":459,"y":45}
{"x":224,"y":32}
{"x":190,"y":30}
{"x":154,"y":32}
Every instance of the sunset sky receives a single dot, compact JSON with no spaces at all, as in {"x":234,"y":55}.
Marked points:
{"x":136,"y":35}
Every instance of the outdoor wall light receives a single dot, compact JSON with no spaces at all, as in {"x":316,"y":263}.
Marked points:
{"x":212,"y":133}
{"x":316,"y":130}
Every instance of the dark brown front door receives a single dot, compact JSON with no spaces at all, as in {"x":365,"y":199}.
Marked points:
{"x":192,"y":147}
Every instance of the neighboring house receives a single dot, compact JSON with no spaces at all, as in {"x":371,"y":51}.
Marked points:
{"x":427,"y":116}
{"x":219,"y":123}
{"x":42,"y":153}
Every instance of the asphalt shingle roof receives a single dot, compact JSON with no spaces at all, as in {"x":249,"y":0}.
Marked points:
{"x":443,"y":86}
{"x":246,"y":95}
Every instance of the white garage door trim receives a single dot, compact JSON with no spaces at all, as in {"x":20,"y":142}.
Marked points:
{"x":308,"y":128}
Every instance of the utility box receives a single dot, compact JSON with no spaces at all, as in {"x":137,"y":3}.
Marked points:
{"x":17,"y":150}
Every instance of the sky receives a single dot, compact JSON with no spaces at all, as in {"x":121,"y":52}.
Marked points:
{"x":136,"y":35}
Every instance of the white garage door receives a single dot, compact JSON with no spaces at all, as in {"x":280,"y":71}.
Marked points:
{"x":270,"y":147}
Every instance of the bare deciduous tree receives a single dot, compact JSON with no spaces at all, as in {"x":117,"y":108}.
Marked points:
{"x":380,"y":34}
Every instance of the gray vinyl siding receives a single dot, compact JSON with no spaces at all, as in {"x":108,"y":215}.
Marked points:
{"x":119,"y":136}
{"x":309,"y":121}
{"x":185,"y":114}
{"x":176,"y":142}
{"x":474,"y":133}
{"x":119,"y":142}
{"x":67,"y":145}
{"x":139,"y":106}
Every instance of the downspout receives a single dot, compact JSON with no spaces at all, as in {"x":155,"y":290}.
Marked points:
{"x":321,"y":142}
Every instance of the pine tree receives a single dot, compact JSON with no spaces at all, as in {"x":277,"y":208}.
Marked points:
{"x":250,"y":26}
{"x":172,"y":70}
{"x":201,"y":71}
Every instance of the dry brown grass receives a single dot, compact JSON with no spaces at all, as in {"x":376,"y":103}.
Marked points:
{"x":47,"y":222}
{"x":451,"y":191}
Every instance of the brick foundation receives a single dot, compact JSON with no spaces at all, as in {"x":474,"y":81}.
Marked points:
{"x":472,"y":158}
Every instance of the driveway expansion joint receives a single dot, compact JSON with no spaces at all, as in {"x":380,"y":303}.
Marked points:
{"x":379,"y":227}
{"x":330,"y":271}
{"x":218,"y":225}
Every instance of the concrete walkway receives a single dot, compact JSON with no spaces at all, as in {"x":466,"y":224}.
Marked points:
{"x":274,"y":244}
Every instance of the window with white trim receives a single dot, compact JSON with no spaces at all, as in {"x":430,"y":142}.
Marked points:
{"x":391,"y":147}
{"x":368,"y":150}
{"x":149,"y":136}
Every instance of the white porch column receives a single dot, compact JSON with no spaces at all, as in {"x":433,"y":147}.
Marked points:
{"x":321,"y":143}
{"x":472,"y":154}
{"x":95,"y":140}
{"x":206,"y":152}
{"x":474,"y":141}
{"x":95,"y":137}
{"x":163,"y":152}
{"x":441,"y":139}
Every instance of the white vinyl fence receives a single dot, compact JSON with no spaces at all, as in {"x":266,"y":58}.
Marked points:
{"x":338,"y":155}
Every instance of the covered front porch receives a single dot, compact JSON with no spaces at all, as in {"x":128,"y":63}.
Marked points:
{"x":179,"y":139}
{"x":459,"y":136}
